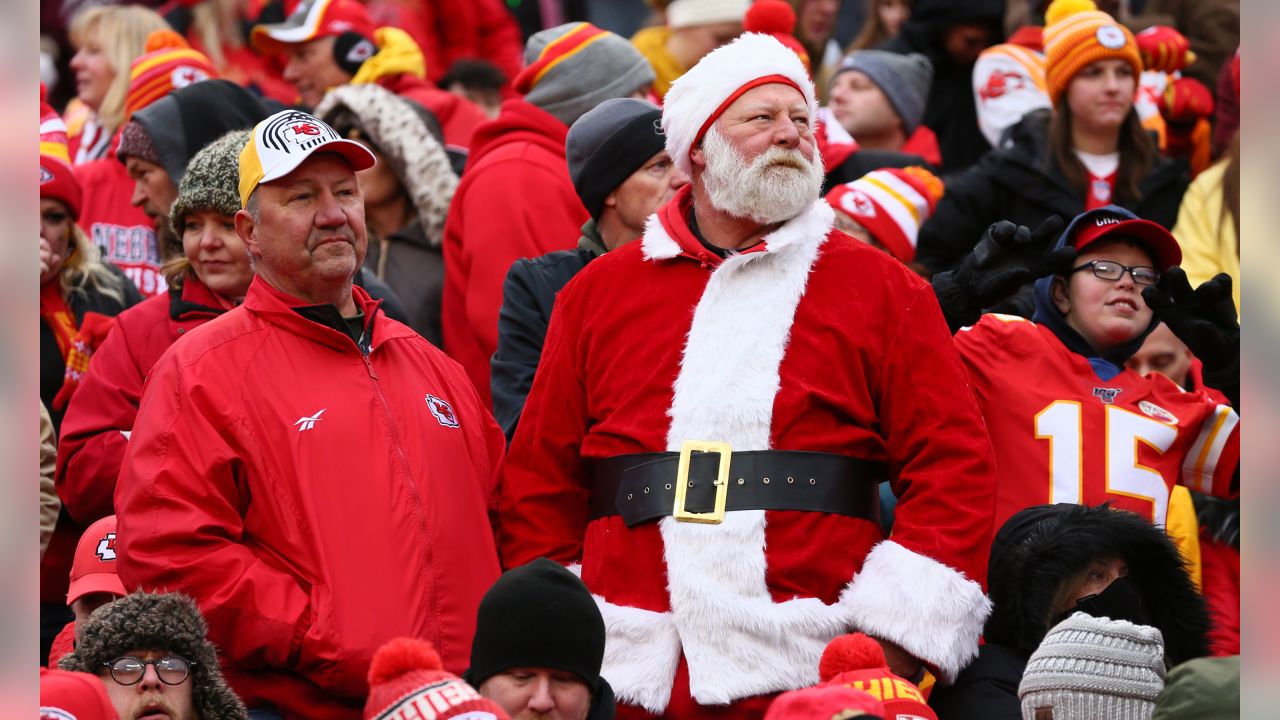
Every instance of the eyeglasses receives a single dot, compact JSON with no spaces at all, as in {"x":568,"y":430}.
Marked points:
{"x":1109,"y":270}
{"x":128,"y":670}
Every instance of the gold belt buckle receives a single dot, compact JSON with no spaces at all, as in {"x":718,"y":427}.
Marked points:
{"x":687,"y":448}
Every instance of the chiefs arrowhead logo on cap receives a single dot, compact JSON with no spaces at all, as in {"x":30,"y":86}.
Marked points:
{"x":45,"y":175}
{"x":106,"y":550}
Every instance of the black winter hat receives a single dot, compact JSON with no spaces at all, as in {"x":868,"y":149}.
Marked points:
{"x":538,"y":615}
{"x":1041,"y":546}
{"x":609,"y":143}
{"x":163,"y":621}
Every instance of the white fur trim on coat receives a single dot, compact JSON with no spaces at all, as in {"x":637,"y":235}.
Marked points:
{"x":694,"y":96}
{"x":933,"y":611}
{"x":656,"y":243}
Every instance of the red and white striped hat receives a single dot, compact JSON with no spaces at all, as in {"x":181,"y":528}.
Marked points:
{"x":892,"y":204}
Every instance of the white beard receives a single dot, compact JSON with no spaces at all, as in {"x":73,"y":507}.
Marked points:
{"x":776,"y":186}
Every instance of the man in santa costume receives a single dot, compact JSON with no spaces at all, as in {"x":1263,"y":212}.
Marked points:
{"x":811,"y":367}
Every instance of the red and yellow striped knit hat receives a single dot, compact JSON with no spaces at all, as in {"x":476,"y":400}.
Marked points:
{"x":168,"y":63}
{"x":1077,"y":33}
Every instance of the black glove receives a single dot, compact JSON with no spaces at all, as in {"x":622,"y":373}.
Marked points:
{"x":1007,"y":257}
{"x":1204,"y":319}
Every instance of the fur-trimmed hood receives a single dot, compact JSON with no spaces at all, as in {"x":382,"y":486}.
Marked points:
{"x":405,"y":140}
{"x":169,"y":622}
{"x":1041,"y":546}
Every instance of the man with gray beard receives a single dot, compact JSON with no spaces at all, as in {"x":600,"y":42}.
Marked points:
{"x":716,"y":407}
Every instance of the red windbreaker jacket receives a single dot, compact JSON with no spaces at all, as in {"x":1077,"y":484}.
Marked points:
{"x":515,"y":201}
{"x":316,"y":500}
{"x":96,"y":428}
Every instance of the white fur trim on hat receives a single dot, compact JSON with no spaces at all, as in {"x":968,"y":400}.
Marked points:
{"x":684,"y":13}
{"x":695,"y":95}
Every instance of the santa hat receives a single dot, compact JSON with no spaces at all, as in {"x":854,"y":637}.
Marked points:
{"x":892,"y":204}
{"x":778,"y":19}
{"x":825,"y":701}
{"x":168,"y":63}
{"x":700,"y":96}
{"x":1077,"y":33}
{"x":57,"y":179}
{"x":858,"y":662}
{"x":406,"y":680}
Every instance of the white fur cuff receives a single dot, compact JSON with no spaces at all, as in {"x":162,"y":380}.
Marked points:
{"x":933,"y":611}
{"x":641,"y":654}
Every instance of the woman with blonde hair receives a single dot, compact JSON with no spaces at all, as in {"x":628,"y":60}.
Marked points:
{"x":107,"y":40}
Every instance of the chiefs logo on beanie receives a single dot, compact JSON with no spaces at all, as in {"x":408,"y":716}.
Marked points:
{"x":856,"y":661}
{"x":407,"y":681}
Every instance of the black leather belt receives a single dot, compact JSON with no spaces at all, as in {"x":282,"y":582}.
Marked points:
{"x":641,"y":487}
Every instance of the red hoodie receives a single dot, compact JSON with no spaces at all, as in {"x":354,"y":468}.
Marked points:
{"x":515,"y":201}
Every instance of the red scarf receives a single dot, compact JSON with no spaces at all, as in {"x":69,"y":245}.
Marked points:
{"x":76,"y":344}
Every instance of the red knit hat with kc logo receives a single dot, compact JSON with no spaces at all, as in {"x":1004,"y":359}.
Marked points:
{"x":858,"y":662}
{"x":407,"y":682}
{"x":94,"y":568}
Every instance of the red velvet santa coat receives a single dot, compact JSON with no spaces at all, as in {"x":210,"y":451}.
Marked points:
{"x":809,"y":341}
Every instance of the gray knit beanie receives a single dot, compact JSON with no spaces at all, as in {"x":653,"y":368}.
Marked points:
{"x":212,"y":180}
{"x":904,"y":79}
{"x":580,"y":72}
{"x":1088,"y":668}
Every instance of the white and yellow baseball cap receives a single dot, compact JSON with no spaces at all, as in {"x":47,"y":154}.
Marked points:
{"x":283,"y":141}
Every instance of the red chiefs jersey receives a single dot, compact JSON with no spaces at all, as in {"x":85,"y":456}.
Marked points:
{"x":1062,"y":434}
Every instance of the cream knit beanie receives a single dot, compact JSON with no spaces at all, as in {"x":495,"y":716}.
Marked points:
{"x":1090,"y":668}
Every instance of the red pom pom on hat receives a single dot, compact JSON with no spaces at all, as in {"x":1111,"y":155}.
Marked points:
{"x":770,"y":16}
{"x":400,"y":656}
{"x":407,"y":680}
{"x":778,"y":19}
{"x":856,"y":651}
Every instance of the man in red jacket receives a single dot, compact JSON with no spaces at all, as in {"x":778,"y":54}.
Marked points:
{"x":316,"y":475}
{"x":714,"y":411}
{"x":334,"y":42}
{"x":516,"y":199}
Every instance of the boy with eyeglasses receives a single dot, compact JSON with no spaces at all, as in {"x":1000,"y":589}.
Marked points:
{"x":151,"y":652}
{"x":1068,"y":421}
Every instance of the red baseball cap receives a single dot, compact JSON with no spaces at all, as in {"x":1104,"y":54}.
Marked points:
{"x":74,"y":695}
{"x":1113,"y":220}
{"x":314,"y":19}
{"x":94,"y":567}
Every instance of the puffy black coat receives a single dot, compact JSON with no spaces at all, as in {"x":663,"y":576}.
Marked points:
{"x":1032,"y":554}
{"x":1019,"y":183}
{"x":528,"y":296}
